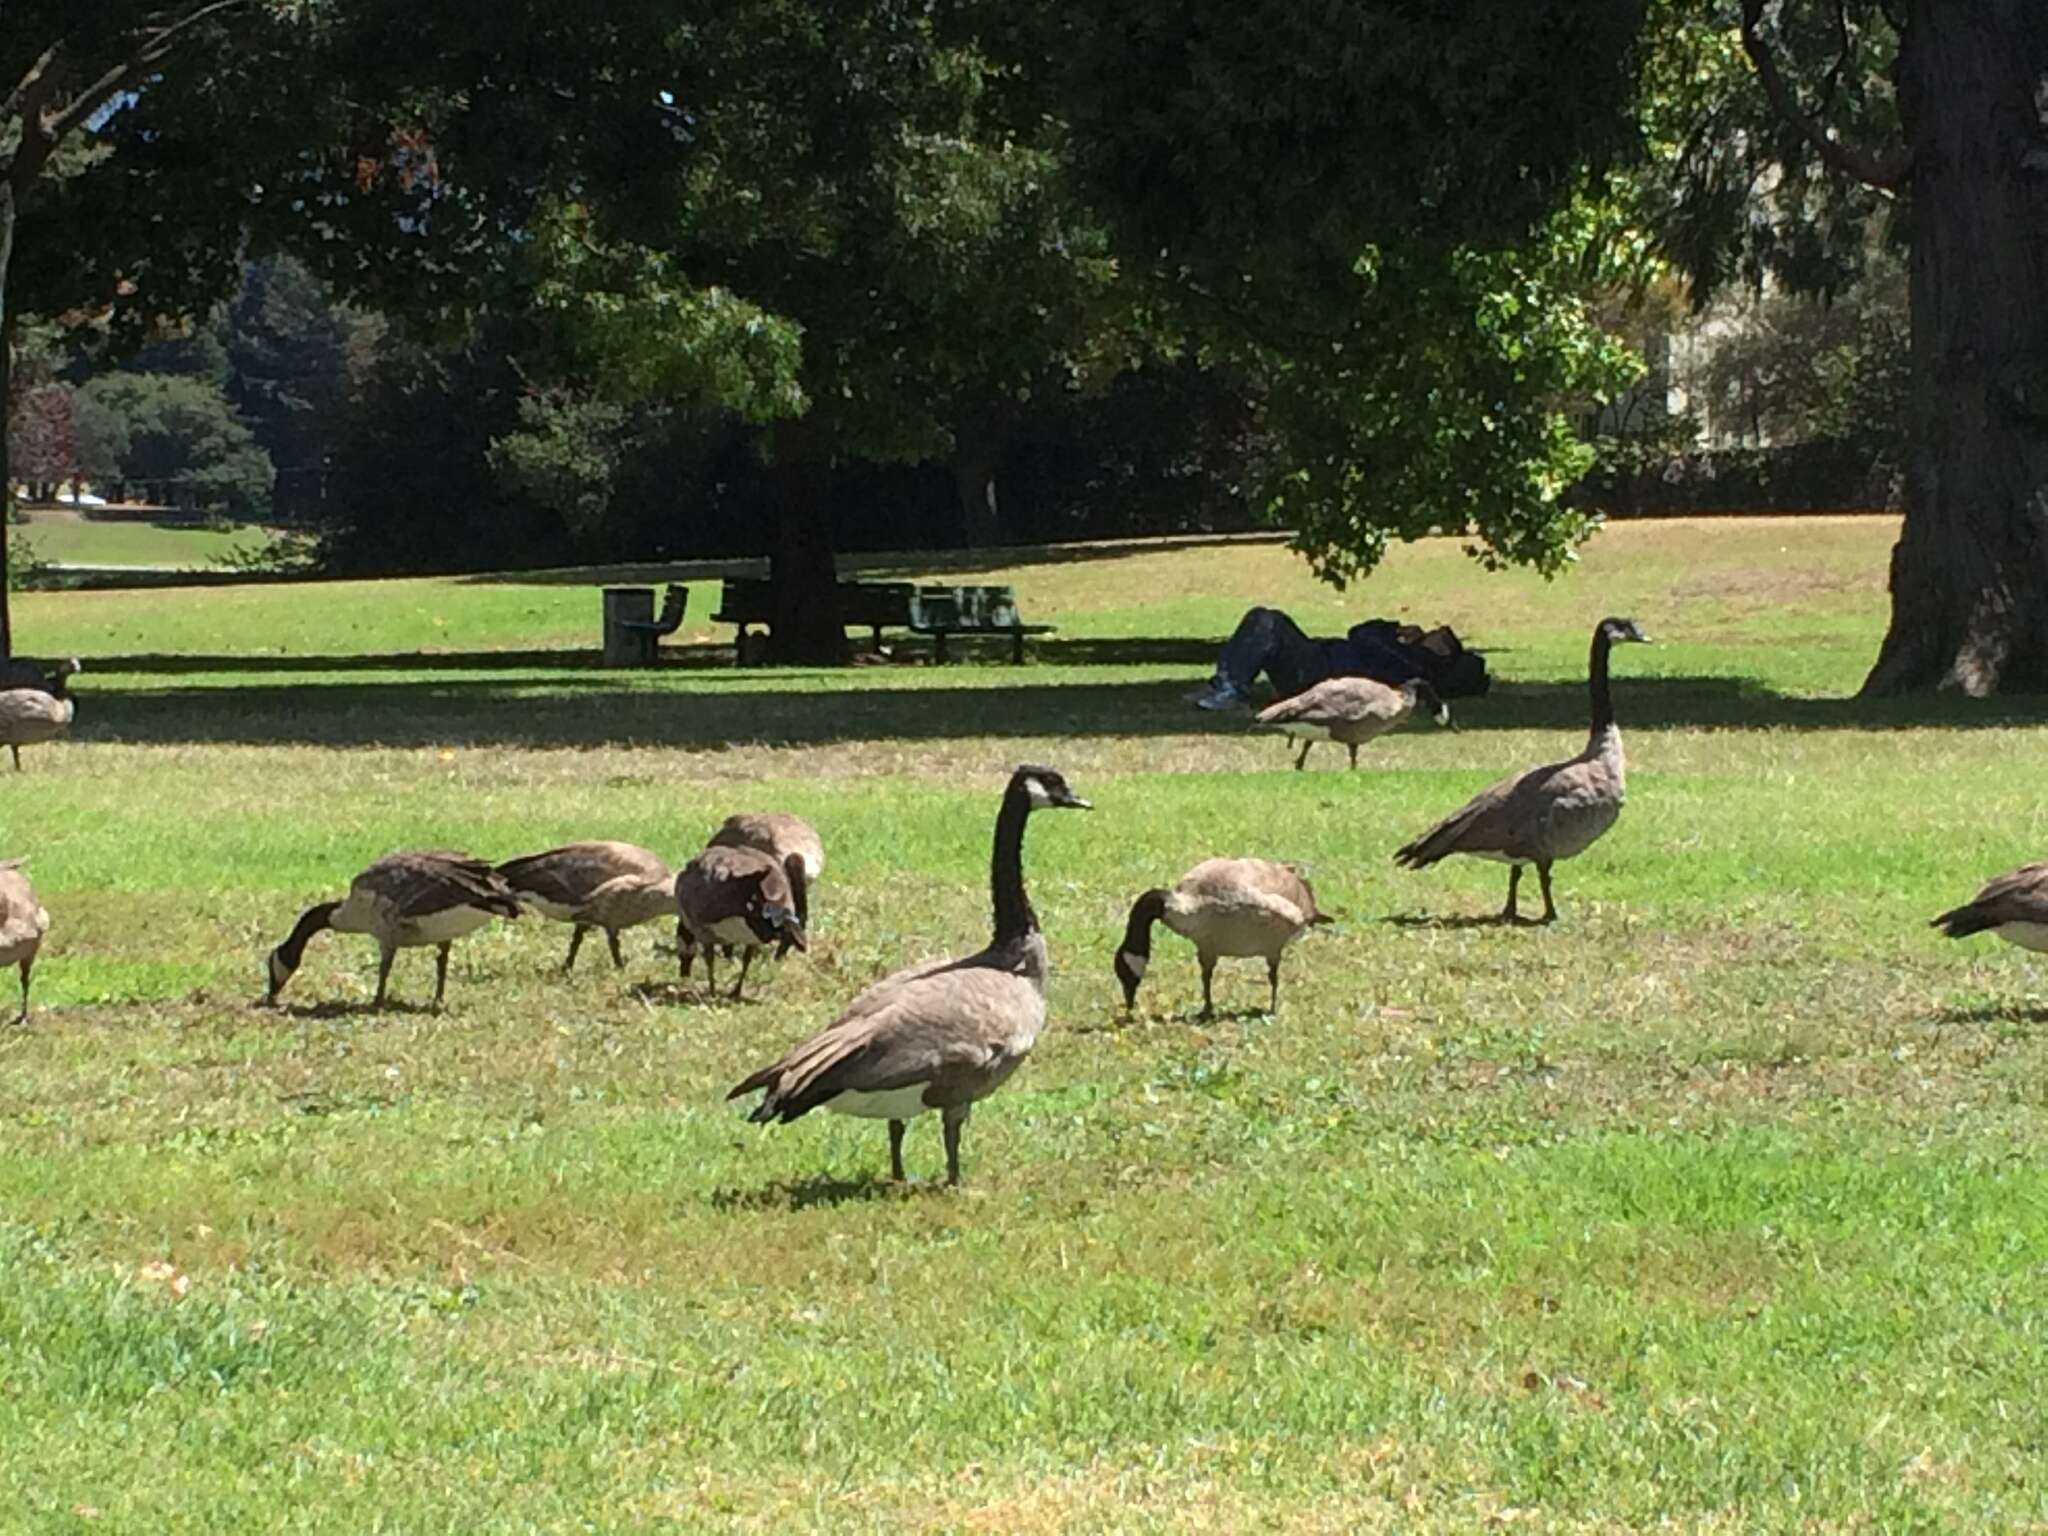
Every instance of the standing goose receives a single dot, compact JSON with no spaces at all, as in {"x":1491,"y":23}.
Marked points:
{"x":741,"y":898}
{"x":779,"y":835}
{"x":1350,"y":710}
{"x":938,"y":1035}
{"x":23,"y":922}
{"x":404,"y":901}
{"x":607,"y":885}
{"x":32,"y":715}
{"x":2014,"y":906}
{"x":1547,"y":813}
{"x":1226,"y":907}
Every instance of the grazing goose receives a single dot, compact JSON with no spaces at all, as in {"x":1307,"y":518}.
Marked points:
{"x":1547,"y":813}
{"x":32,"y":715}
{"x":2014,"y":906}
{"x":938,"y":1035}
{"x":779,"y":835}
{"x":23,"y":922}
{"x":1351,"y":710}
{"x":404,"y":901}
{"x":741,"y":898}
{"x":1226,"y":907}
{"x":613,"y":886}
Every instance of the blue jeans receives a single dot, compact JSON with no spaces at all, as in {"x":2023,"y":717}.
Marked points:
{"x":1268,"y":641}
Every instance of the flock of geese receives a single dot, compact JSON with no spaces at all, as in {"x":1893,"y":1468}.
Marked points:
{"x":943,"y":1035}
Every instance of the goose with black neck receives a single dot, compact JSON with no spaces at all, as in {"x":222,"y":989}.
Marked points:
{"x":940,"y":1035}
{"x":1548,"y":813}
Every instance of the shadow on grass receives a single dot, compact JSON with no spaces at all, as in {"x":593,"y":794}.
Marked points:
{"x":688,"y":707}
{"x":803,"y":1194}
{"x":1454,"y":921}
{"x":1992,"y":1013}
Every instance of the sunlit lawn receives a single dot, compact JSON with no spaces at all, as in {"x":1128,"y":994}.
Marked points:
{"x":61,"y":536}
{"x":1719,"y":1204}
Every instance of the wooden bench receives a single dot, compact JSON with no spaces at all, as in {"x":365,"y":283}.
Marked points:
{"x":870,"y":605}
{"x":943,"y":611}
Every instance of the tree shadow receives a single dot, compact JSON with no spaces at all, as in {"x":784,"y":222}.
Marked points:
{"x":804,"y":1194}
{"x":472,"y":699}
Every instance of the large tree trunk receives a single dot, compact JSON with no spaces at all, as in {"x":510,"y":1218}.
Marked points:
{"x":974,"y":478}
{"x":7,"y":212}
{"x":1969,"y":574}
{"x":805,"y":630}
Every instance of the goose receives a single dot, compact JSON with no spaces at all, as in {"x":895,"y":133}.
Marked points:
{"x":32,"y":715}
{"x":740,"y":898}
{"x":607,"y":885}
{"x":1226,"y":907}
{"x":1350,"y":710}
{"x":1547,"y":813}
{"x":941,"y":1034}
{"x":2014,"y":906}
{"x":404,"y":901}
{"x":778,"y":834}
{"x":23,"y":922}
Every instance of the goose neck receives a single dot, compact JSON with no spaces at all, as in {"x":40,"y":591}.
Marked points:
{"x":1602,"y":695}
{"x":1014,"y":918}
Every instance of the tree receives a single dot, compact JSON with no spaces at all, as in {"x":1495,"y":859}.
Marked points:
{"x":181,"y":431}
{"x":399,"y":150}
{"x":1922,"y":119}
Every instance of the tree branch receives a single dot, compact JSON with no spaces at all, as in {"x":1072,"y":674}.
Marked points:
{"x":147,"y":51}
{"x":1885,"y":172}
{"x":27,"y":82}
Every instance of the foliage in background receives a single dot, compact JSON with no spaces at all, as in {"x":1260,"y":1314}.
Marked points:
{"x":180,"y":429}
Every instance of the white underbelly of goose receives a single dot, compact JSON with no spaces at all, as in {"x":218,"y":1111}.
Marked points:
{"x":733,"y":930}
{"x":440,"y":927}
{"x":882,"y":1103}
{"x":2026,"y":935}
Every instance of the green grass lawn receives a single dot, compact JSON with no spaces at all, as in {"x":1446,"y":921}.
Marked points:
{"x":1718,"y":1205}
{"x":62,"y":536}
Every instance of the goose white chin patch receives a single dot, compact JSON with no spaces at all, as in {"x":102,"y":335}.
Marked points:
{"x":1041,"y":797}
{"x":1135,"y":963}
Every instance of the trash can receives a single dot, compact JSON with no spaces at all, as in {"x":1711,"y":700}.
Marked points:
{"x":625,"y":645}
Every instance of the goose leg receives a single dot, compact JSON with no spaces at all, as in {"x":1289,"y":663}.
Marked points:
{"x":1208,"y":976}
{"x":440,"y":972}
{"x":1273,"y":981}
{"x":896,"y":1130}
{"x":611,"y":937}
{"x":1508,"y":914}
{"x":686,"y":951}
{"x":746,"y":959}
{"x":1352,"y":748}
{"x":1299,"y":761}
{"x":710,"y":966}
{"x":385,"y":955}
{"x":17,"y":756}
{"x":575,"y":943}
{"x":951,"y":1120}
{"x":25,"y":965}
{"x":1549,"y":906}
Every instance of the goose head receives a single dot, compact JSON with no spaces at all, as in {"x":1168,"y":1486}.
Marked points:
{"x":1422,"y":694}
{"x":1621,"y":631}
{"x":1046,"y":789}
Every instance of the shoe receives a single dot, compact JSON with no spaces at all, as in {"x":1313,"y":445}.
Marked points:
{"x":1216,"y":695}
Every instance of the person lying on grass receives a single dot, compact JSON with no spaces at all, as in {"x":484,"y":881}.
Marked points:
{"x":1267,"y":640}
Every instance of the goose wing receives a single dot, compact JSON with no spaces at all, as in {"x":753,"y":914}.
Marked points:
{"x":958,"y":1027}
{"x":1338,"y":701}
{"x":1509,"y":818}
{"x":22,"y":918}
{"x":1280,"y":888}
{"x":572,"y":874}
{"x":2017,"y":896}
{"x":32,"y":706}
{"x":722,"y":883}
{"x":422,"y":883}
{"x":776,"y":833}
